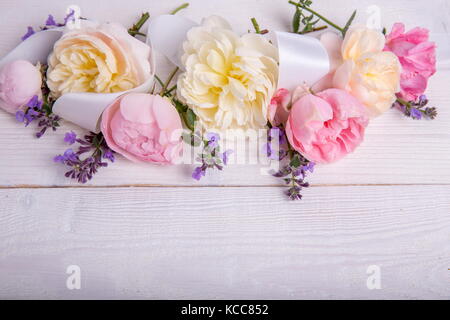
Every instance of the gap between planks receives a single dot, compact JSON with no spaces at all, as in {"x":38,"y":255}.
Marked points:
{"x":216,"y":186}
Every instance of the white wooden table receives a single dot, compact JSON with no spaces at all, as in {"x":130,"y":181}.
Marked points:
{"x":154,"y":233}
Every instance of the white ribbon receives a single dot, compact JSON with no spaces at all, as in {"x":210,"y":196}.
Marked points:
{"x":83,"y":109}
{"x":302,"y":59}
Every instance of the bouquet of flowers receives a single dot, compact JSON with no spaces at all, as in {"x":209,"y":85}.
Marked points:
{"x":313,"y":96}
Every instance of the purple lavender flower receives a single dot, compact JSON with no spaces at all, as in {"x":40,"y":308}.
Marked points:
{"x":35,"y":103}
{"x":30,"y":32}
{"x":69,"y":155}
{"x":70,"y":137}
{"x":83,"y":170}
{"x":20,"y":116}
{"x":69,"y":17}
{"x":416,"y":114}
{"x":109,"y":155}
{"x":211,"y":157}
{"x":417,"y":109}
{"x":213,"y":139}
{"x":51,"y":21}
{"x":309,"y":167}
{"x":423,"y":100}
{"x":198,"y":173}
{"x":294,"y":172}
{"x":225,"y":156}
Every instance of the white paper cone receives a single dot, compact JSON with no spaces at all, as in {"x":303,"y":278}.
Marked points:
{"x":168,"y":32}
{"x":83,"y":109}
{"x":303,"y":60}
{"x":34,"y":49}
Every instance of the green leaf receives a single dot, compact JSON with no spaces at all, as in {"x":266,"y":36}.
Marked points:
{"x":349,"y":23}
{"x":295,"y":162}
{"x":190,"y":119}
{"x":296,"y":20}
{"x":181,"y":108}
{"x":192,"y":139}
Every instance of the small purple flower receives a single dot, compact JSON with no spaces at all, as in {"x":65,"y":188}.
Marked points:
{"x":267,"y":150}
{"x":69,"y":17}
{"x":35,"y":103}
{"x":109,"y":155}
{"x":69,"y":155}
{"x":423,"y":100}
{"x":198,"y":173}
{"x":59,"y":159}
{"x":225,"y":156}
{"x":213,"y":139}
{"x":51,"y":21}
{"x":309,"y":167}
{"x":70,"y":137}
{"x":416,"y":114}
{"x":29,"y":33}
{"x":274,"y":133}
{"x":20,"y":116}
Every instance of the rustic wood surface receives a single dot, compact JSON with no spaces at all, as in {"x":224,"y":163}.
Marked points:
{"x":153,"y":233}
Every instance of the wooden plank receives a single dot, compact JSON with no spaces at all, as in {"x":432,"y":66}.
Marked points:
{"x":225,"y":242}
{"x":397,"y":150}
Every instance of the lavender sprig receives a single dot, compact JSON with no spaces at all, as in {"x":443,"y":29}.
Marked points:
{"x":83,"y":169}
{"x":295,"y":171}
{"x":211,"y":156}
{"x":40,"y":110}
{"x":416,"y":110}
{"x":50,"y":23}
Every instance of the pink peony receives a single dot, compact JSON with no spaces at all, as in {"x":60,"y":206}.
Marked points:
{"x":278,"y":108}
{"x":417,"y":56}
{"x":327,"y":126}
{"x":143,"y":128}
{"x":19,"y":82}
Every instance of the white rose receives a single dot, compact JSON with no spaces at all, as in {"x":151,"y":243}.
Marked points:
{"x":98,"y":58}
{"x":229,"y":80}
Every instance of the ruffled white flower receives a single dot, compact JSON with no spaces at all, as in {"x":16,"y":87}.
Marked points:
{"x":98,"y":58}
{"x":229,"y":79}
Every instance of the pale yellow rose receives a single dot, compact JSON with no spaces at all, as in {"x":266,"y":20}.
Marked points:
{"x":368,"y":73}
{"x":98,"y":58}
{"x":229,"y":79}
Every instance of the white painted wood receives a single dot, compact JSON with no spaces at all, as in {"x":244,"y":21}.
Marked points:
{"x":241,"y":239}
{"x":225,"y":242}
{"x":396,"y":150}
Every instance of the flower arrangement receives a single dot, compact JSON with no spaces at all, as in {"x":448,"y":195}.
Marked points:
{"x":101,"y":77}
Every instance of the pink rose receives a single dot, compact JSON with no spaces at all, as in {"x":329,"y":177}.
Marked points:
{"x":327,"y":126}
{"x":278,"y":108}
{"x":417,"y":56}
{"x":143,"y":128}
{"x":19,"y":82}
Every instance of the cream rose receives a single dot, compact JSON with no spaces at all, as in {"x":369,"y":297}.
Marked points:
{"x":98,"y":58}
{"x":368,"y":73}
{"x":229,"y":80}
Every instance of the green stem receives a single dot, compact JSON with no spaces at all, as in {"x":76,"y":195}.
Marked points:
{"x":256,"y":26}
{"x":159,"y":81}
{"x":404,"y":102}
{"x":171,"y":89}
{"x":135,"y":30}
{"x":183,"y":6}
{"x":318,"y":16}
{"x":316,"y":29}
{"x":168,"y":81}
